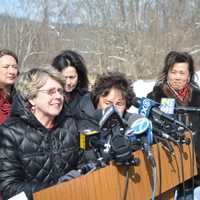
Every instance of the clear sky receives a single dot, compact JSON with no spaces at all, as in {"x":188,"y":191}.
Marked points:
{"x":9,"y":7}
{"x":21,"y":8}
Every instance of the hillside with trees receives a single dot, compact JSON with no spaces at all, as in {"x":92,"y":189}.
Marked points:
{"x":132,"y":36}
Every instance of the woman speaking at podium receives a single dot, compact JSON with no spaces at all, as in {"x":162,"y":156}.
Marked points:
{"x":177,"y":82}
{"x":39,"y":141}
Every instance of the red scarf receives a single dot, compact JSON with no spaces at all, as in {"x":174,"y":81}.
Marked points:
{"x":180,"y":94}
{"x":5,"y":108}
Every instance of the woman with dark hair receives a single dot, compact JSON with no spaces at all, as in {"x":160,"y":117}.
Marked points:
{"x":116,"y":83}
{"x":177,"y":81}
{"x":73,"y":67}
{"x":8,"y":74}
{"x":110,"y":88}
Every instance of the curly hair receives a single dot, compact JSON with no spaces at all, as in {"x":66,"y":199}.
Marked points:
{"x":73,"y":59}
{"x":106,"y":81}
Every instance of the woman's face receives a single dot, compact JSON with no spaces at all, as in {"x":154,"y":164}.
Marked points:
{"x":114,"y":98}
{"x":71,"y":78}
{"x":8,"y":70}
{"x":49,"y":100}
{"x":178,"y":76}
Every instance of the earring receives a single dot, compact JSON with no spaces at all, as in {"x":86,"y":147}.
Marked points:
{"x":33,"y":108}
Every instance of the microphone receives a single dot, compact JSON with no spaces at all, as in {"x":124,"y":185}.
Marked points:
{"x":121,"y":151}
{"x":148,"y":107}
{"x":186,"y":109}
{"x":110,"y":119}
{"x":164,"y":135}
{"x":167,"y":105}
{"x":148,"y":151}
{"x":166,"y":145}
{"x":89,"y":139}
{"x":137,"y":124}
{"x":116,"y":144}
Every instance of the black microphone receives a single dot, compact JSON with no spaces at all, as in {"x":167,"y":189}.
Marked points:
{"x":186,"y":109}
{"x":166,"y":145}
{"x":148,"y":151}
{"x":138,"y":102}
{"x":110,"y":119}
{"x":164,"y":135}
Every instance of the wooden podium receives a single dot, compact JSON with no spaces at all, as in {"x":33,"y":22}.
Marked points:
{"x":109,"y":182}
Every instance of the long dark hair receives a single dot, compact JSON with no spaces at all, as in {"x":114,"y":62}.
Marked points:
{"x":177,"y":57}
{"x":72,"y":58}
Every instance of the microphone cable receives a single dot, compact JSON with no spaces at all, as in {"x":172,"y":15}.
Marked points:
{"x":180,"y":148}
{"x":182,"y":168}
{"x":192,"y":163}
{"x":154,"y":179}
{"x":126,"y":184}
{"x":159,"y":163}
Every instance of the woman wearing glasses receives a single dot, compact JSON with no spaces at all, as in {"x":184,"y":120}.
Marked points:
{"x":8,"y":74}
{"x":39,"y":141}
{"x":73,"y":67}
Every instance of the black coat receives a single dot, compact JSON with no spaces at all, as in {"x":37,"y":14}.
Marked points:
{"x":74,"y":99}
{"x":31,"y":156}
{"x":194,"y":117}
{"x":88,"y":118}
{"x":87,"y":115}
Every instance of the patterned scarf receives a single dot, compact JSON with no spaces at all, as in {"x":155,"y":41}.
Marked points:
{"x":181,"y":94}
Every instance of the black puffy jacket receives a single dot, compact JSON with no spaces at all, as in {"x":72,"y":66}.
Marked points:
{"x":74,"y":99}
{"x":87,"y":115}
{"x":31,"y":156}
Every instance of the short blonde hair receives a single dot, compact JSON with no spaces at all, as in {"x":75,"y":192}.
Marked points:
{"x":29,"y":82}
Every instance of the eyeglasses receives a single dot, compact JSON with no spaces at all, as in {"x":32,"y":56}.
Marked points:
{"x":53,"y":91}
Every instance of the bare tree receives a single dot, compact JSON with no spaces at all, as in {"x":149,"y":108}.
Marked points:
{"x":132,"y":36}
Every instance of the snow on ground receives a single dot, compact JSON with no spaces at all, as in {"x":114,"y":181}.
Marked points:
{"x":142,"y":88}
